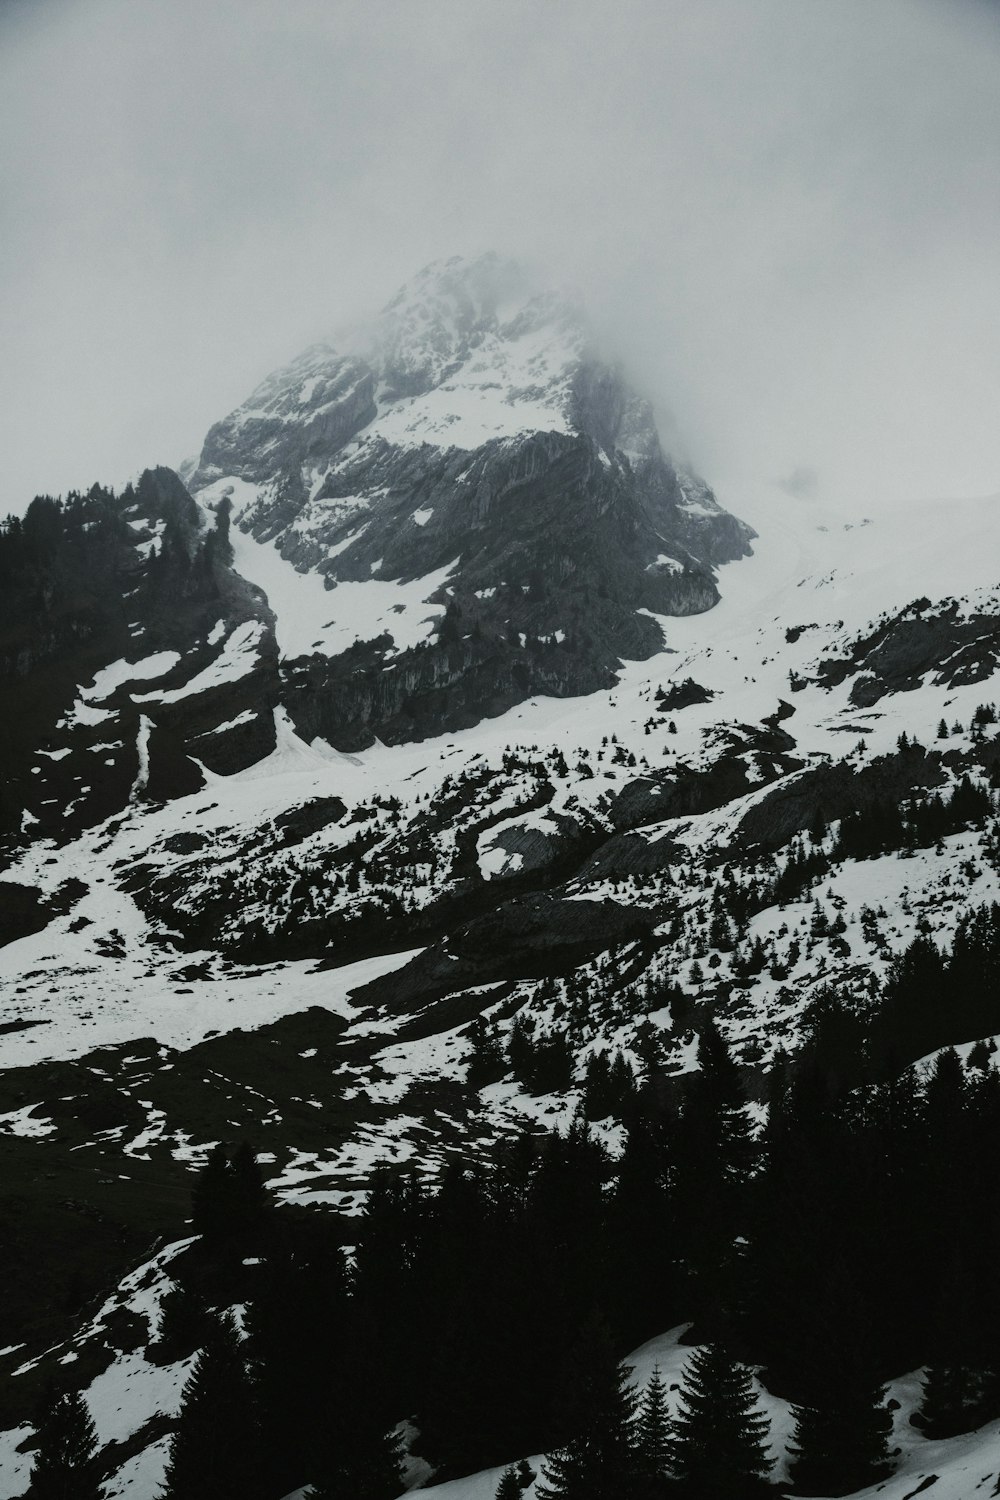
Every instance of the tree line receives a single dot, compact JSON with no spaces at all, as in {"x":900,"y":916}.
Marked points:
{"x":847,"y":1237}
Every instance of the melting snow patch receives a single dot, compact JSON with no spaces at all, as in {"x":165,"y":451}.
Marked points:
{"x":142,"y":750}
{"x":237,"y":659}
{"x":108,"y":679}
{"x":24,"y":1122}
{"x":246,"y":717}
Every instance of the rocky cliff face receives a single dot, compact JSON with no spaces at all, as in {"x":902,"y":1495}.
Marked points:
{"x":473,"y":440}
{"x":131,"y":655}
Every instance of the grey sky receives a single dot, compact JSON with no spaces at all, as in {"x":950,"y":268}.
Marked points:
{"x":786,"y":213}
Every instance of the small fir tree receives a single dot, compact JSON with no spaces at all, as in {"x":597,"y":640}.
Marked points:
{"x":510,"y":1486}
{"x":229,"y":1198}
{"x":184,"y":1323}
{"x":365,"y":1470}
{"x":248,"y":1195}
{"x":599,"y":1462}
{"x":210,"y":1198}
{"x":720,"y":1438}
{"x":65,"y":1464}
{"x":653,"y":1436}
{"x":842,"y":1445}
{"x":215,"y":1448}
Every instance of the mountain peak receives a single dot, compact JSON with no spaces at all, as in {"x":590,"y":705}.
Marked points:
{"x":467,"y":455}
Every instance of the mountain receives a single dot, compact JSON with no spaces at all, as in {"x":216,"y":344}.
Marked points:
{"x":718,"y":869}
{"x":488,"y":497}
{"x":383,"y":545}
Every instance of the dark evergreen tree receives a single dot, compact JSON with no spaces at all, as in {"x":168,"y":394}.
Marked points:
{"x":184,"y":1323}
{"x":720,"y":1438}
{"x":248,"y":1197}
{"x":842,"y":1445}
{"x":950,"y":1400}
{"x":598,"y":1098}
{"x":599,"y":1461}
{"x":653,"y":1436}
{"x":487,"y":1063}
{"x":65,"y":1464}
{"x":713,"y":1155}
{"x":961,"y":1389}
{"x":215,"y":1449}
{"x":509,"y":1486}
{"x":643,"y":1287}
{"x":305,"y":1352}
{"x":210,"y":1198}
{"x":229,"y":1199}
{"x":525,"y":1474}
{"x":361,"y":1465}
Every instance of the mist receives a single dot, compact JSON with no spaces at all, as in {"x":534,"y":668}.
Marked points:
{"x":784,"y":217}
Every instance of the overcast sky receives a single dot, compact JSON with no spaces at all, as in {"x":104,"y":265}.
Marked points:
{"x":785,"y":212}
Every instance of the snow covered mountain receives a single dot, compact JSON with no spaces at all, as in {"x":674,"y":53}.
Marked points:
{"x":487,"y":496}
{"x":472,"y":510}
{"x":467,"y":719}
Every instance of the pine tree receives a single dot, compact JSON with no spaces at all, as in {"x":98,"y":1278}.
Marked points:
{"x":215,"y":1449}
{"x":184,"y":1322}
{"x":950,"y":1400}
{"x":843,"y":1445}
{"x":510,"y":1487}
{"x":487,"y":1063}
{"x":960,"y":1386}
{"x":653,"y":1435}
{"x":229,"y":1198}
{"x":364,"y":1471}
{"x":713,"y":1156}
{"x":720,"y":1438}
{"x":210,"y":1198}
{"x":64,"y":1466}
{"x":248,"y":1196}
{"x":642,"y":1288}
{"x":599,"y":1462}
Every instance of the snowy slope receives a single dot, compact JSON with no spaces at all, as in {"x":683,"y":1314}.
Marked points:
{"x":803,"y":571}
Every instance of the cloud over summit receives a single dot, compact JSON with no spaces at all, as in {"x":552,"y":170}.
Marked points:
{"x":785,"y":216}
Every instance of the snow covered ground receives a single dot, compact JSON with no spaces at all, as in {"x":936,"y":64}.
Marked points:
{"x":312,"y":618}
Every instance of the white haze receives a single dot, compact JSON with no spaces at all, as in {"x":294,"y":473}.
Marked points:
{"x":785,"y":213}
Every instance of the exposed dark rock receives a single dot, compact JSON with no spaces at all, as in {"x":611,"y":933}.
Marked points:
{"x":22,"y":911}
{"x":308,"y":410}
{"x":833,"y":791}
{"x":299,"y":822}
{"x":682,"y":695}
{"x":900,"y":652}
{"x":747,"y":758}
{"x":528,"y":937}
{"x":102,"y":579}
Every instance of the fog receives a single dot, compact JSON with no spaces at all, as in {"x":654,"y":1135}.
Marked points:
{"x":784,"y":214}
